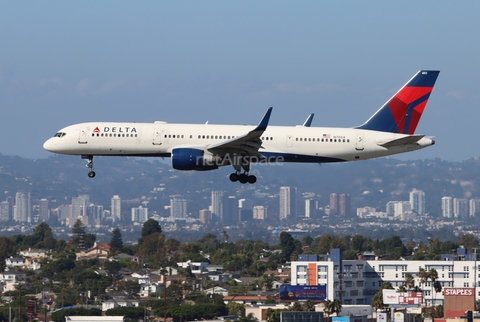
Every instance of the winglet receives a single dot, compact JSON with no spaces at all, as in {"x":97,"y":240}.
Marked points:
{"x":262,"y":126}
{"x":309,"y":120}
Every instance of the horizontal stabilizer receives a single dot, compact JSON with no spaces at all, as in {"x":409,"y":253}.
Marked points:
{"x":402,"y":141}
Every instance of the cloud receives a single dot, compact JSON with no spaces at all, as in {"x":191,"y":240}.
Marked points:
{"x":457,"y":94}
{"x":55,"y":80}
{"x":111,"y":86}
{"x":83,"y":85}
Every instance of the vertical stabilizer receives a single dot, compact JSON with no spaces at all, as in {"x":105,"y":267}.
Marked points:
{"x":402,"y":112}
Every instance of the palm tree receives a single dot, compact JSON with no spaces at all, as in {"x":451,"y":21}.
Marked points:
{"x":331,"y":307}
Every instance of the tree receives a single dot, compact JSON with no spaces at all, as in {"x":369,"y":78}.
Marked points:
{"x":116,"y":243}
{"x":79,"y":232}
{"x":377,"y":301}
{"x":287,"y":245}
{"x":151,"y":226}
{"x":6,"y":250}
{"x":43,"y":236}
{"x":331,"y":307}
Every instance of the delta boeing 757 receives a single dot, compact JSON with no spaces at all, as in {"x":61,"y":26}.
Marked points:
{"x":391,"y":130}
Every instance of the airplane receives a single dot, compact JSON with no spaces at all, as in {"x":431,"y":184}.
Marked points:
{"x":391,"y":130}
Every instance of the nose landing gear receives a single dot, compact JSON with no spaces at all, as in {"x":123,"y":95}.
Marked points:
{"x":89,"y":158}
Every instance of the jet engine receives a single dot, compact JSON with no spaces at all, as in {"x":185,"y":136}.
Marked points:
{"x":194,"y":159}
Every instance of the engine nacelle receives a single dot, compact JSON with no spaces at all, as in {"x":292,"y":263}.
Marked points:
{"x":193,"y":159}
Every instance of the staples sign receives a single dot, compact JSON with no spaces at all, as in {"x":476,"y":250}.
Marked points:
{"x":458,"y":292}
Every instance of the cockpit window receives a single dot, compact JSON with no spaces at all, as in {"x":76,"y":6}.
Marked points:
{"x":59,"y":135}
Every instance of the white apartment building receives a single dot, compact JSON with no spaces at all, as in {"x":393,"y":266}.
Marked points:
{"x":357,"y":281}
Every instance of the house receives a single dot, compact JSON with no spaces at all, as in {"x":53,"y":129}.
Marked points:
{"x":32,"y":264}
{"x":99,"y":251}
{"x":13,"y":262}
{"x":33,"y":253}
{"x":149,"y":288}
{"x":245,"y":299}
{"x":124,"y":256}
{"x":10,"y":279}
{"x":119,"y":302}
{"x":195,"y":267}
{"x":216,"y":290}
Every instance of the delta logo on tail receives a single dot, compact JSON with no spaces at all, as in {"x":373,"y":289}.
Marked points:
{"x":402,"y":112}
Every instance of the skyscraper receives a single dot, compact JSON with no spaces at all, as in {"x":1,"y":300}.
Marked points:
{"x":4,"y":211}
{"x":116,"y":208}
{"x":417,"y":201}
{"x":259,"y":212}
{"x":344,"y":205}
{"x":178,"y":208}
{"x":79,"y":209}
{"x":288,"y":202}
{"x":309,"y":208}
{"x":139,"y":215}
{"x":23,"y":208}
{"x":333,"y":204}
{"x":474,"y":207}
{"x":230,"y":210}
{"x":447,"y":207}
{"x":205,"y":216}
{"x":460,"y":207}
{"x":43,"y":210}
{"x":217,"y":204}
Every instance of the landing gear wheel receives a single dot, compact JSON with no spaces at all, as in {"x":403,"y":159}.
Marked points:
{"x":89,"y":165}
{"x":243,"y":178}
{"x":252,"y":179}
{"x":233,"y":177}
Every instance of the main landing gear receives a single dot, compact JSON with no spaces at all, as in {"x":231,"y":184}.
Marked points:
{"x":89,"y":165}
{"x":242,"y":177}
{"x":239,"y":164}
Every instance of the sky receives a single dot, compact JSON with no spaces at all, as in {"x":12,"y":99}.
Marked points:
{"x":228,"y":61}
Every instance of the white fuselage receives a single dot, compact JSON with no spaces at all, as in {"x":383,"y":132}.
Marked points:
{"x":293,"y":144}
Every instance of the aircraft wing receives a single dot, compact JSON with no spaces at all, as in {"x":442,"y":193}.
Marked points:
{"x":246,"y":144}
{"x":411,"y":139}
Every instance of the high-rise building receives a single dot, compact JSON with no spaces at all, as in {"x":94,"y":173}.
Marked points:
{"x":474,"y":207}
{"x":259,"y":212}
{"x":4,"y":211}
{"x":401,"y":208}
{"x":116,"y":208}
{"x":230,"y":210}
{"x":205,"y":216}
{"x":43,"y":210}
{"x":288,"y":202}
{"x":217,"y":204}
{"x":178,"y":208}
{"x":417,"y":201}
{"x":333,"y":205}
{"x":344,"y":205}
{"x":310,"y":208}
{"x":390,"y":208}
{"x":447,"y":207}
{"x":79,"y":209}
{"x":245,"y":210}
{"x":460,"y":207}
{"x":95,"y":214}
{"x":139,"y":214}
{"x":23,"y":208}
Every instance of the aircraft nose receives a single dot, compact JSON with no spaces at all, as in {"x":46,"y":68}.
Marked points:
{"x":48,"y":145}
